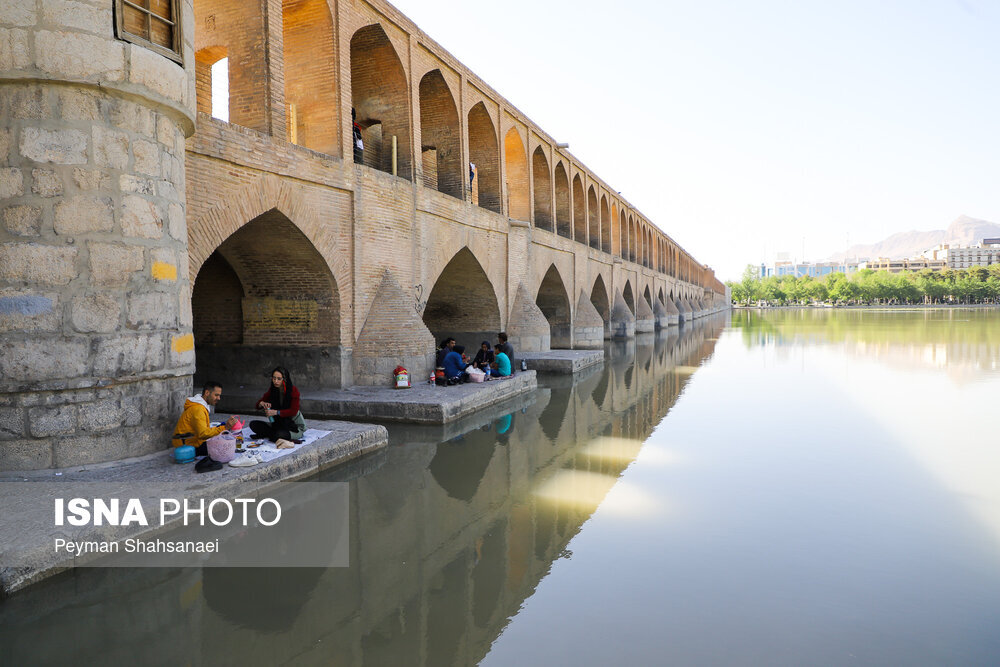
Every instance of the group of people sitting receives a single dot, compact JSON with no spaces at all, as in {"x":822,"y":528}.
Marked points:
{"x":280,"y":404}
{"x":493,"y":361}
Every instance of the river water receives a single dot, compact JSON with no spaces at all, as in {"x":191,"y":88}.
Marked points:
{"x":793,"y":487}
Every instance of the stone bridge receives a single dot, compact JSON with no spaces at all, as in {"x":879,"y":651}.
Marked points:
{"x":145,"y":242}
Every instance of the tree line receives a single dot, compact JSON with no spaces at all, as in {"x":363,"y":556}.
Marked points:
{"x":977,"y":284}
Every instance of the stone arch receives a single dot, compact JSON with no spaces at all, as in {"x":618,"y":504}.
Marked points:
{"x":629,"y":296}
{"x":660,"y":296}
{"x":579,"y":212}
{"x":593,"y":219}
{"x":542,"y":189}
{"x":648,"y":297}
{"x":553,"y":300}
{"x":516,"y":161}
{"x":605,"y":225}
{"x":463,"y":303}
{"x":485,"y":154}
{"x":440,"y":137}
{"x":310,"y":68}
{"x":246,"y":320}
{"x":564,"y":216}
{"x":379,"y":95}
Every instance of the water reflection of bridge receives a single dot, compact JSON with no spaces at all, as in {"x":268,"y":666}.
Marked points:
{"x":449,"y":538}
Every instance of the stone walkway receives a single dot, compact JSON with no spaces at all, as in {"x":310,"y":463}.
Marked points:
{"x":561,"y":361}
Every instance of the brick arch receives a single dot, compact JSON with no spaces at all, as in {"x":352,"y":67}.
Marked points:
{"x":484,"y":152}
{"x":579,"y":211}
{"x":463,"y":302}
{"x":310,"y":68}
{"x":629,"y":295}
{"x":622,"y":235}
{"x":516,"y":161}
{"x":606,"y":218}
{"x":209,"y":231}
{"x":552,"y":298}
{"x":380,"y":96}
{"x":542,"y":182}
{"x":601,"y":299}
{"x":593,"y":219}
{"x":204,"y":58}
{"x":564,"y":214}
{"x":440,"y":136}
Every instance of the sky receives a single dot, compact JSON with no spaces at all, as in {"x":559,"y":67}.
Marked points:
{"x":751,"y":127}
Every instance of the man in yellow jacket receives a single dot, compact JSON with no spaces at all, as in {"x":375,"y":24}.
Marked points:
{"x":193,"y":427}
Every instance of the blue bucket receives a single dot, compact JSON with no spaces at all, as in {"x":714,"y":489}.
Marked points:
{"x":184,"y":454}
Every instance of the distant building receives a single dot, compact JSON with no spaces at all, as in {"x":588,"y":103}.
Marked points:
{"x":900,"y":265}
{"x":802,"y":269}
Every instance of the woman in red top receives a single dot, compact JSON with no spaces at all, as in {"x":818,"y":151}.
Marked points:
{"x":280,"y":404}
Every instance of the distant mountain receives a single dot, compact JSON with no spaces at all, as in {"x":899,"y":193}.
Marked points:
{"x":964,"y":231}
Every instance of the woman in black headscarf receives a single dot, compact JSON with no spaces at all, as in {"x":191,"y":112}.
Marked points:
{"x":280,"y":404}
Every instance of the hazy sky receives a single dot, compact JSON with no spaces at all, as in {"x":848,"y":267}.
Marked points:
{"x":748,"y":127}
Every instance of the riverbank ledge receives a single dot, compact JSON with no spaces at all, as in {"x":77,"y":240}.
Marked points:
{"x":28,"y":529}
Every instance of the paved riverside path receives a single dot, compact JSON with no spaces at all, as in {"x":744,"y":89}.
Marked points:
{"x":422,"y":403}
{"x":27,"y":529}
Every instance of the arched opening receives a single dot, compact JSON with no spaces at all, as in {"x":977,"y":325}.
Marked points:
{"x":594,"y":220}
{"x":246,"y":319}
{"x":543,"y":190}
{"x":564,"y":219}
{"x":211,"y":81}
{"x":463,"y":304}
{"x":660,"y":296}
{"x":485,"y":155}
{"x":632,"y":249}
{"x":599,"y":297}
{"x":440,"y":137}
{"x":628,"y":296}
{"x":649,"y":299}
{"x":311,"y":99}
{"x":553,"y":301}
{"x":579,"y":212}
{"x":380,"y":99}
{"x":518,"y":206}
{"x":605,"y":226}
{"x":622,"y":235}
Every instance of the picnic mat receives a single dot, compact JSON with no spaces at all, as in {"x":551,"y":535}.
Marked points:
{"x":269,"y":451}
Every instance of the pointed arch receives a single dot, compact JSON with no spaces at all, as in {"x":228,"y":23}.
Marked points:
{"x":311,"y":69}
{"x":649,"y":299}
{"x":622,"y":235}
{"x":660,"y":296}
{"x":605,"y":225}
{"x":463,"y":302}
{"x":543,"y":190}
{"x":632,"y":241}
{"x":602,"y":301}
{"x":553,"y":300}
{"x":579,"y":211}
{"x":516,"y":160}
{"x":440,"y":136}
{"x":380,"y":97}
{"x":564,"y":216}
{"x":485,"y":154}
{"x":628,"y":296}
{"x":593,"y":219}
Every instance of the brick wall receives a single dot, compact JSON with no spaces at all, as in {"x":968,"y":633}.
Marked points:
{"x":518,"y":204}
{"x":542,"y":191}
{"x":441,"y":136}
{"x":564,"y":216}
{"x":484,"y":153}
{"x":593,"y":217}
{"x":217,"y":303}
{"x":579,"y":212}
{"x":310,"y":74}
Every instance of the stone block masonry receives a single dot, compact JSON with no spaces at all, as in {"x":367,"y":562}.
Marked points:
{"x":95,"y":357}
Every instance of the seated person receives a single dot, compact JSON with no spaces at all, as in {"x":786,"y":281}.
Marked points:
{"x":446,"y":346}
{"x":508,"y":349}
{"x":454,"y":365}
{"x":502,"y":364}
{"x":484,"y":358}
{"x":193,"y":427}
{"x":280,"y":404}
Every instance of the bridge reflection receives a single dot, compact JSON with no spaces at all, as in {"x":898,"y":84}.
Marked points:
{"x":452,"y":529}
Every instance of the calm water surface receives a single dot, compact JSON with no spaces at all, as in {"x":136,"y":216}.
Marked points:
{"x":789,"y":488}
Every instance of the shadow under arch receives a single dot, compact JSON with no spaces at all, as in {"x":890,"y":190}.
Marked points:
{"x":599,"y":297}
{"x":265,"y":296}
{"x":484,"y":152}
{"x":553,"y":301}
{"x":458,"y":465}
{"x":311,"y":72}
{"x":463,"y":303}
{"x":440,"y":137}
{"x":516,"y":161}
{"x":648,"y":297}
{"x":628,"y":296}
{"x":542,"y":181}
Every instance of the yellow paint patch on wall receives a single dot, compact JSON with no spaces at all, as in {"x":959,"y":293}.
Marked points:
{"x":184,"y":343}
{"x":164,"y":271}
